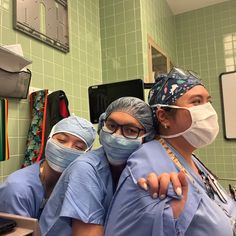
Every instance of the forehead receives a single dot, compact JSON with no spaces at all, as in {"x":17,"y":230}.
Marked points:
{"x":196,"y":91}
{"x":124,"y":118}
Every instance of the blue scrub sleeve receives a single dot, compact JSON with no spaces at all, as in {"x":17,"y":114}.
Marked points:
{"x":169,"y":221}
{"x":84,"y":195}
{"x":15,"y":199}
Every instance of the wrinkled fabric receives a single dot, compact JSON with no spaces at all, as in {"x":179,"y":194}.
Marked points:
{"x":22,"y":193}
{"x":133,"y":212}
{"x":83,"y":192}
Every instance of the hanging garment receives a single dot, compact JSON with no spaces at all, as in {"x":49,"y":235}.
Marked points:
{"x":38,"y":103}
{"x":57,"y":109}
{"x":4,"y":145}
{"x":46,"y":110}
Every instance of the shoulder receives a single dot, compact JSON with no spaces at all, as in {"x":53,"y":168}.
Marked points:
{"x":150,"y":157}
{"x":22,"y":183}
{"x":89,"y":166}
{"x":148,"y":149}
{"x":95,"y":159}
{"x":14,"y":188}
{"x":24,"y":175}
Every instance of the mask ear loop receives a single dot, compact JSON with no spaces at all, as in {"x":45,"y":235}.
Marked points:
{"x":52,"y":132}
{"x":170,"y":106}
{"x":88,"y":149}
{"x":165,"y":126}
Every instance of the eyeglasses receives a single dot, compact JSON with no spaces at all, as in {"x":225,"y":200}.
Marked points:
{"x":183,"y":73}
{"x":127,"y":131}
{"x":178,"y":72}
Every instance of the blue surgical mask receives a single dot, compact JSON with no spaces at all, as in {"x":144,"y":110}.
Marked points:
{"x":117,"y":147}
{"x":58,"y":156}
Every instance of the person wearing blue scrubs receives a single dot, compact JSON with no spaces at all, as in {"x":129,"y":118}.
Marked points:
{"x":80,"y":200}
{"x":25,"y":191}
{"x":185,"y":121}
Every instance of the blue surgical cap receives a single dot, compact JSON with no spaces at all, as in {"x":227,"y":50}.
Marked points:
{"x":135,"y":107}
{"x":76,"y":126}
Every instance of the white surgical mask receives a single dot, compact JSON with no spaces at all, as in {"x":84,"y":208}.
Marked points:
{"x":204,"y":127}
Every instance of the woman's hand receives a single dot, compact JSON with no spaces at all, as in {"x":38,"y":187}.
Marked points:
{"x":176,"y":204}
{"x":158,"y":185}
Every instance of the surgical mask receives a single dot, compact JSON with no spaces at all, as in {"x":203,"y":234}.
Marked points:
{"x":204,"y":127}
{"x":58,"y":156}
{"x":117,"y":147}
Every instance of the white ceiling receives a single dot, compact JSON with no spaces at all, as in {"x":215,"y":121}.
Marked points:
{"x":181,"y":6}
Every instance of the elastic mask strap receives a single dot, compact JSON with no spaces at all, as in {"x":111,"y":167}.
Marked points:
{"x":174,"y":135}
{"x":87,"y":149}
{"x":145,"y":135}
{"x":170,"y":106}
{"x":176,"y":107}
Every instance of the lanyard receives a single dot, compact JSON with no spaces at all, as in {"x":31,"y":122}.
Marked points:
{"x":177,"y":163}
{"x":212,"y":181}
{"x":209,"y":178}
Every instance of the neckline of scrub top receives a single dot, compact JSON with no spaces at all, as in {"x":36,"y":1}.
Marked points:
{"x":213,"y":182}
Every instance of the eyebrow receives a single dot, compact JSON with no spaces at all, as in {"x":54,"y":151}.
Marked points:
{"x":62,"y":134}
{"x":199,"y":96}
{"x":77,"y":141}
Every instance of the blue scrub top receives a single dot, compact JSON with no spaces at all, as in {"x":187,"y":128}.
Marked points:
{"x":83,"y":192}
{"x":133,"y":212}
{"x":22,"y":193}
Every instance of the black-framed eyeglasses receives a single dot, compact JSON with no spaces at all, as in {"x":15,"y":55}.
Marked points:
{"x":128,"y":131}
{"x":176,"y":72}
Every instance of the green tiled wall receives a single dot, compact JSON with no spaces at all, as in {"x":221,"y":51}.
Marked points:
{"x":196,"y":40}
{"x":108,"y":42}
{"x":121,"y":40}
{"x":124,"y":28}
{"x":72,"y":72}
{"x":158,"y":22}
{"x":202,"y":38}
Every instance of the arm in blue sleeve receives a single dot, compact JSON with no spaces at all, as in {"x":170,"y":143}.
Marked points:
{"x":84,"y":195}
{"x":168,"y":221}
{"x":15,"y":199}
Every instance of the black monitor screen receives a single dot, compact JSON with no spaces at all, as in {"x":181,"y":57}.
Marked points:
{"x":100,"y":96}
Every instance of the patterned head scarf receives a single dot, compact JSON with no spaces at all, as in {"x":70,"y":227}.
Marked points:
{"x":169,"y":87}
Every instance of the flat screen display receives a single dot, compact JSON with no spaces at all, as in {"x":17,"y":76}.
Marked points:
{"x":100,"y":96}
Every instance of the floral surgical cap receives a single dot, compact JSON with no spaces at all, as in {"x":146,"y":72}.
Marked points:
{"x":168,"y":88}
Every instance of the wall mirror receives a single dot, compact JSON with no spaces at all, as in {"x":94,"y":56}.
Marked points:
{"x":228,"y":96}
{"x":158,"y":62}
